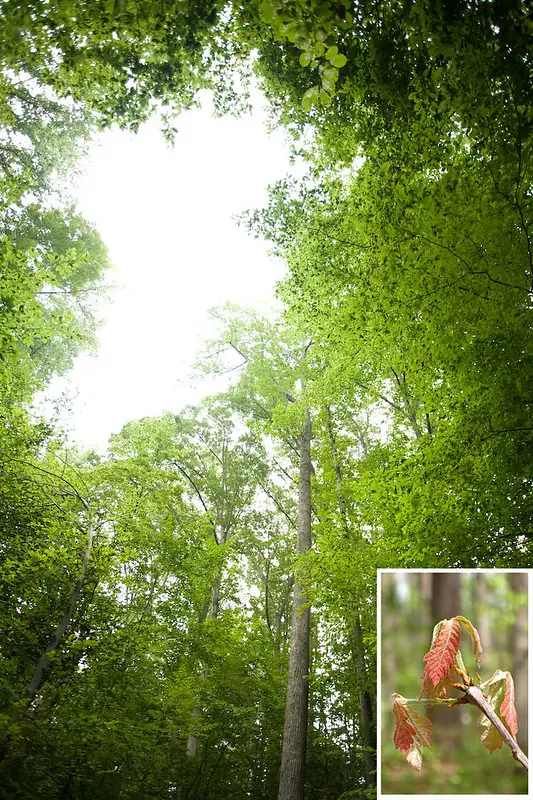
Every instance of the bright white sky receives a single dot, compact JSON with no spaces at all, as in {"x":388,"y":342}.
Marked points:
{"x":166,"y":217}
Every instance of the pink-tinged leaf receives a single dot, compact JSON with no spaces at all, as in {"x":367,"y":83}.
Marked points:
{"x":441,"y":656}
{"x":474,"y":635}
{"x":442,"y":690}
{"x":414,"y":757}
{"x":404,"y":732}
{"x":507,"y":708}
{"x":412,"y":732}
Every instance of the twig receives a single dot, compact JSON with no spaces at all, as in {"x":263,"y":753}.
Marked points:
{"x":475,"y":697}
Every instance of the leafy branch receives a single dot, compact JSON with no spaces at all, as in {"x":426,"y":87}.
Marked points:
{"x":444,"y":670}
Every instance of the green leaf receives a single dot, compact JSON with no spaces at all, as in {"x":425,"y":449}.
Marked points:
{"x":267,"y":12}
{"x":339,"y":60}
{"x":310,"y":98}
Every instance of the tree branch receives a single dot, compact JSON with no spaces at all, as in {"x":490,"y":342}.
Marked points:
{"x":475,"y":697}
{"x":201,"y":499}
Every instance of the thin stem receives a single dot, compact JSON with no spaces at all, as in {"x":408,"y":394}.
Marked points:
{"x":475,"y":696}
{"x":433,"y":701}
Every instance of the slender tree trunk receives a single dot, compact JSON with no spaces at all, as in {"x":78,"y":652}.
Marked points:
{"x":337,"y":467}
{"x":215,"y":599}
{"x":367,"y":712}
{"x":293,"y":757}
{"x":211,"y":611}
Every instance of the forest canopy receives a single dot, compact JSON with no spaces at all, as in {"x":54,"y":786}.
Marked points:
{"x":193,"y":614}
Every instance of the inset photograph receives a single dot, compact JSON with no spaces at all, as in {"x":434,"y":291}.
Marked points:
{"x":453,"y":694}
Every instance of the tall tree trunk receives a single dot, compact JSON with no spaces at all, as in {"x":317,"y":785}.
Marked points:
{"x":366,"y":710}
{"x":293,"y":757}
{"x":445,"y":603}
{"x":211,"y":610}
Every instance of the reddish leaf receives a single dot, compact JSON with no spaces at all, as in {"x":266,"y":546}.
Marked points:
{"x":441,"y":656}
{"x":474,"y":635}
{"x":404,"y":732}
{"x":507,"y":708}
{"x":412,"y":732}
{"x":442,"y":690}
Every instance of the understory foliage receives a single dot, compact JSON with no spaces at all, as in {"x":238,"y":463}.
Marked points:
{"x":147,"y":593}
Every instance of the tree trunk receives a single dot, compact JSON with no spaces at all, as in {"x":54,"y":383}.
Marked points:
{"x":480,"y":611}
{"x":192,"y":739}
{"x":445,"y":604}
{"x":293,"y":756}
{"x":211,"y":611}
{"x":367,"y":713}
{"x":38,"y":673}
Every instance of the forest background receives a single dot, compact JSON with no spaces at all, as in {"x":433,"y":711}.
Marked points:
{"x":148,"y":641}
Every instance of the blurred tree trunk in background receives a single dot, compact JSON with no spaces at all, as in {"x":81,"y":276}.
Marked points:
{"x":445,"y":603}
{"x":445,"y":595}
{"x":426,"y":590}
{"x":480,"y":617}
{"x":389,"y":637}
{"x":518,"y":581}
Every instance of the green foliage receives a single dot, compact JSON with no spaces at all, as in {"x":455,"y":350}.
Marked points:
{"x":119,"y":58}
{"x":52,"y":261}
{"x":406,"y":336}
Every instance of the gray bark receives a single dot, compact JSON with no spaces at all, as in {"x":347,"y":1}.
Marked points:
{"x":293,"y":757}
